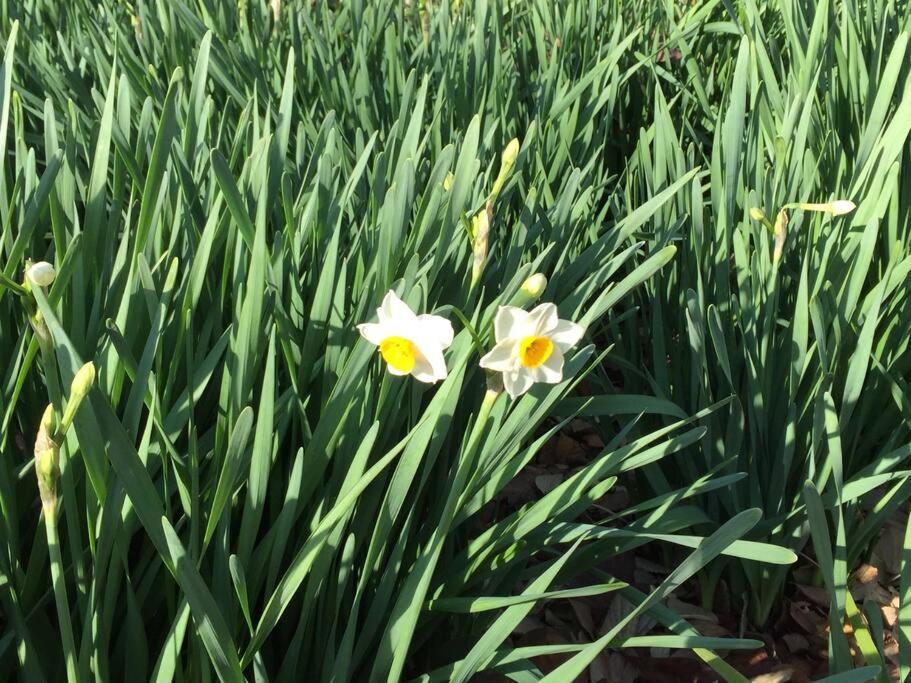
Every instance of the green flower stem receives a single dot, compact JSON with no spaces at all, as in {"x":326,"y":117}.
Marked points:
{"x":63,"y":607}
{"x":55,"y":393}
{"x":478,"y":344}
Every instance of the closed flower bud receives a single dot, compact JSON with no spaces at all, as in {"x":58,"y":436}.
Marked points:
{"x":480,"y":230}
{"x":510,"y":154}
{"x":80,"y":387}
{"x":756,"y":213}
{"x":530,"y":290}
{"x":46,"y":458}
{"x":47,"y":472}
{"x":45,"y":437}
{"x":41,"y":274}
{"x":83,"y":381}
{"x":839,"y":207}
{"x":448,"y":181}
{"x":534,"y":285}
{"x":842,"y":206}
{"x":781,"y":232}
{"x":507,"y":161}
{"x":40,"y":327}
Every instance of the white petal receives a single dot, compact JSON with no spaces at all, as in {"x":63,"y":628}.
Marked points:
{"x":375,"y":333}
{"x":396,"y":371}
{"x":543,"y":318}
{"x":566,"y":334}
{"x":430,"y":366}
{"x":438,"y":328}
{"x":502,"y":357}
{"x":423,"y":369}
{"x":551,"y":370}
{"x":510,"y":323}
{"x":517,"y":382}
{"x":394,"y":308}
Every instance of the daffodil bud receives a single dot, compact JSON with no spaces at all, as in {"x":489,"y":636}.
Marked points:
{"x":781,"y":232}
{"x":510,"y":154}
{"x":530,"y":290}
{"x":137,"y":27}
{"x":47,"y":471}
{"x":534,"y":285}
{"x":448,"y":181}
{"x":40,"y":327}
{"x":46,"y":456}
{"x":756,"y":213}
{"x":83,"y":381}
{"x":80,"y":387}
{"x":480,"y":231}
{"x":45,"y":437}
{"x":507,"y":161}
{"x":839,"y":207}
{"x":41,"y":274}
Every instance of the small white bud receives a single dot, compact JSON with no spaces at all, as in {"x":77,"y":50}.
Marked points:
{"x":41,"y":273}
{"x":842,"y":206}
{"x":839,"y":207}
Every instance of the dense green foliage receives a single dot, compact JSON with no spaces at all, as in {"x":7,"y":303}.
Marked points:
{"x":811,"y":334}
{"x":225,"y":193}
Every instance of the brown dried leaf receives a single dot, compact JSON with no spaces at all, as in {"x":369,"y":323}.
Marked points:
{"x":619,"y":608}
{"x":796,"y":643}
{"x":815,"y":594}
{"x":806,"y":617}
{"x":864,"y":584}
{"x":887,"y":552}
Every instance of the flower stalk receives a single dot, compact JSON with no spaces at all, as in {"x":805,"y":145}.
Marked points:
{"x":47,"y":471}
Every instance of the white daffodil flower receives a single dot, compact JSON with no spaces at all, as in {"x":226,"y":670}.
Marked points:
{"x":530,"y":346}
{"x":410,"y":344}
